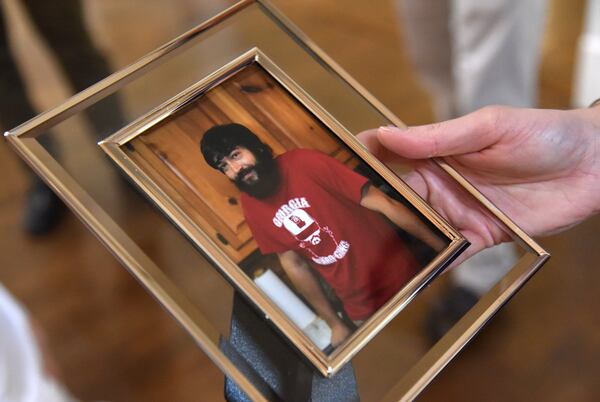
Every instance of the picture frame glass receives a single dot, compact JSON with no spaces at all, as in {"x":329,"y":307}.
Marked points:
{"x":307,"y":225}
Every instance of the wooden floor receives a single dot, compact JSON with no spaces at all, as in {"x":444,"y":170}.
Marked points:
{"x":112,"y":340}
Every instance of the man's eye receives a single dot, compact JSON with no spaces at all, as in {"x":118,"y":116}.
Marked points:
{"x":235,"y":155}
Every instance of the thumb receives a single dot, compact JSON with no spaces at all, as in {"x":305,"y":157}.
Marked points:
{"x":470,"y":133}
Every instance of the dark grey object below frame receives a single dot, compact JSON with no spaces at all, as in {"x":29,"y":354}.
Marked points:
{"x":274,"y":367}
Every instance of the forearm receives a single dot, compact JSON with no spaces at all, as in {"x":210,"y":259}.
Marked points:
{"x":299,"y":272}
{"x":375,"y":200}
{"x":408,"y":221}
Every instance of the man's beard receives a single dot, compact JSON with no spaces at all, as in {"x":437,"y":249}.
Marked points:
{"x":267,"y":181}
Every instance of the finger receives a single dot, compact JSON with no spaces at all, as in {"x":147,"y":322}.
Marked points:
{"x":370,"y":140}
{"x":414,"y":179}
{"x":471,"y":133}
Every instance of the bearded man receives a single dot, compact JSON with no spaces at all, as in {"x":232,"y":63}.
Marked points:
{"x":321,"y":217}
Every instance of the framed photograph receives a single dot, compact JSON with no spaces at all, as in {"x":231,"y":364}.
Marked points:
{"x":269,"y":195}
{"x":324,"y":240}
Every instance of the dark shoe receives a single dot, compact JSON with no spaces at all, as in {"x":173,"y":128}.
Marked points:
{"x":448,"y":310}
{"x":43,"y":210}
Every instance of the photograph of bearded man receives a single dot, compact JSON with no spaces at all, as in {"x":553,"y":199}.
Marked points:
{"x":320,"y":217}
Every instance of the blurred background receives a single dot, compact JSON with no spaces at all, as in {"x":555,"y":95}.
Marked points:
{"x":112,"y":341}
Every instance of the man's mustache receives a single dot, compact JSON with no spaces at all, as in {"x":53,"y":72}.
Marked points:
{"x":243,"y":172}
{"x":266,"y":178}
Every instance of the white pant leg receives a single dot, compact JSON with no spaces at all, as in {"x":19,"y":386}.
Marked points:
{"x":496,"y":51}
{"x":469,"y":54}
{"x":587,"y":79}
{"x":426,"y":33}
{"x":473,"y":53}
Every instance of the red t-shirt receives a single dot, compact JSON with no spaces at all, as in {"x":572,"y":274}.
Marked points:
{"x":317,"y":212}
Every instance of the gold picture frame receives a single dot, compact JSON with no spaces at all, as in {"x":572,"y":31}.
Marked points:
{"x":155,"y":188}
{"x":266,"y":28}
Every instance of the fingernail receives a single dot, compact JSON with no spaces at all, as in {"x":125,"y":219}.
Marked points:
{"x":390,"y":128}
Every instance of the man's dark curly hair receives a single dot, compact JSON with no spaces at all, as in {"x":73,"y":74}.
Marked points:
{"x":218,"y":142}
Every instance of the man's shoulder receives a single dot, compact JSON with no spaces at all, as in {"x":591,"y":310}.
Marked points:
{"x":301,"y":155}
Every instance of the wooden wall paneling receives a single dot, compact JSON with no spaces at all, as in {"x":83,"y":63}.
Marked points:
{"x":183,"y":196}
{"x":182,"y":156}
{"x":243,"y":94}
{"x":290,"y":118}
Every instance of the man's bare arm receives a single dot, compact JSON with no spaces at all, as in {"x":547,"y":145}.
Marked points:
{"x":301,"y":275}
{"x":376,"y":200}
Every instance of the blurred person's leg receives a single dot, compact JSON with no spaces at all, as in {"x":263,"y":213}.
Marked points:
{"x":470,"y":280}
{"x":427,"y":37}
{"x":42,"y":207}
{"x":587,"y":80}
{"x":496,"y":51}
{"x":15,"y":107}
{"x":470,"y":54}
{"x":62,"y":25}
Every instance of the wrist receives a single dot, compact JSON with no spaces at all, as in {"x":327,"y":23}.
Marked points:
{"x":334,"y":322}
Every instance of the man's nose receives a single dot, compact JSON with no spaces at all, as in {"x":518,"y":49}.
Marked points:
{"x":235,"y":166}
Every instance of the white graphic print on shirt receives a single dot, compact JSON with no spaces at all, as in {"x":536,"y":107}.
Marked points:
{"x":318,"y":240}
